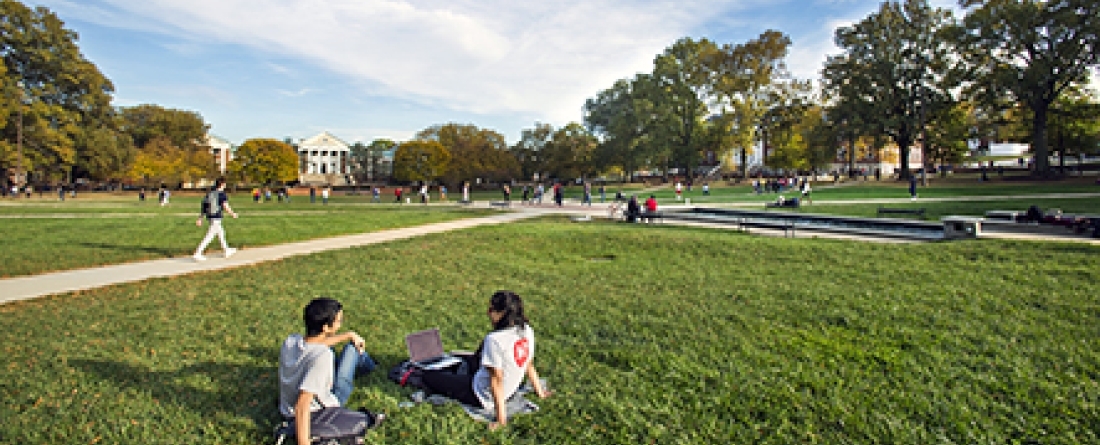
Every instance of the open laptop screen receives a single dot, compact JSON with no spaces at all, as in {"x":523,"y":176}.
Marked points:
{"x":424,"y":345}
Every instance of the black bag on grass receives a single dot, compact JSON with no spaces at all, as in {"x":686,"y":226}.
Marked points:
{"x":332,"y":426}
{"x":407,"y":374}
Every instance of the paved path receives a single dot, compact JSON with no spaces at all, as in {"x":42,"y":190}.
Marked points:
{"x":24,"y":288}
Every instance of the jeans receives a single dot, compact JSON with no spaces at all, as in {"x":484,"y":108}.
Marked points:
{"x":350,"y":363}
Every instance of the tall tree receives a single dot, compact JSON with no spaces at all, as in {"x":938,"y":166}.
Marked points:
{"x":185,"y":129}
{"x":1033,"y":50}
{"x":1074,"y":126}
{"x":67,"y":96}
{"x":420,"y":160}
{"x":570,"y":152}
{"x":896,"y":71}
{"x":475,"y":153}
{"x":746,"y":80}
{"x":264,"y":161}
{"x":531,"y":152}
{"x":683,"y":82}
{"x":624,"y":118}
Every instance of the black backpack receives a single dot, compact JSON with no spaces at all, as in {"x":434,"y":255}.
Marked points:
{"x":407,"y":374}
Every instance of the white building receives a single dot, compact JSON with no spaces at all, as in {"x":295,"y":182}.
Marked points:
{"x":323,"y":159}
{"x":222,"y":151}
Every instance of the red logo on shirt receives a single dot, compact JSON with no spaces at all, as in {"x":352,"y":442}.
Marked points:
{"x":521,"y":351}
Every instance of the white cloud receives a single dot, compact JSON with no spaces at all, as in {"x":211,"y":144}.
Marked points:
{"x":299,"y":93}
{"x":534,"y":58}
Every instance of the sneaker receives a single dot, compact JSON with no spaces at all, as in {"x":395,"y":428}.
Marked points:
{"x":229,"y":252}
{"x":199,"y":257}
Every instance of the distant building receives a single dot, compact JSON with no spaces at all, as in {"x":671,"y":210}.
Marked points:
{"x":222,"y":151}
{"x":324,"y":159}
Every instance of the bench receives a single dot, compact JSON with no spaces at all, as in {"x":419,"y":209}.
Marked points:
{"x":888,"y":211}
{"x":644,"y":216}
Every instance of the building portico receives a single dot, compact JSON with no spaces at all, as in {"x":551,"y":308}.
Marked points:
{"x":324,"y":159}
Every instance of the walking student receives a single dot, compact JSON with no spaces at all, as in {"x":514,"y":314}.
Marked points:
{"x":214,"y":206}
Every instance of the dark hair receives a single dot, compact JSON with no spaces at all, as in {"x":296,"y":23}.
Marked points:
{"x":319,"y":313}
{"x":219,"y":182}
{"x":511,"y":305}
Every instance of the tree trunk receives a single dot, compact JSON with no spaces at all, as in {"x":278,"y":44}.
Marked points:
{"x":745,"y":164}
{"x":903,"y":153}
{"x":1039,"y":141}
{"x":851,"y":155}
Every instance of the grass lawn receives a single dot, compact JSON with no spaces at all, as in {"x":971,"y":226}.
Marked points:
{"x":100,"y":233}
{"x":648,"y":334}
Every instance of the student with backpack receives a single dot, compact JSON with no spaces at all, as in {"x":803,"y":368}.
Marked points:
{"x":501,"y":362}
{"x":213,"y":205}
{"x":315,"y":384}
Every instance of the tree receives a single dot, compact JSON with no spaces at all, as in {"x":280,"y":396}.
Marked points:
{"x":418,"y":161}
{"x":530,"y":151}
{"x":624,"y":117}
{"x":1033,"y":50}
{"x":946,"y":139}
{"x":745,"y":80}
{"x":184,"y":129}
{"x":896,"y":72}
{"x":569,"y":152}
{"x":1074,"y":126}
{"x":67,"y":96}
{"x":474,"y":153}
{"x":264,"y":161}
{"x":682,"y":81}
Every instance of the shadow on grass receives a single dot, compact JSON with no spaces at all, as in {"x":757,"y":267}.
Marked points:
{"x":159,"y":251}
{"x":210,"y":389}
{"x":217,"y":389}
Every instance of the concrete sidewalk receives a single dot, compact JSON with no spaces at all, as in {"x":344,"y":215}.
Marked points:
{"x":24,"y":288}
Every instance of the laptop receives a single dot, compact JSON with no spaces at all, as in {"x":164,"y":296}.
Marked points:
{"x":426,"y":350}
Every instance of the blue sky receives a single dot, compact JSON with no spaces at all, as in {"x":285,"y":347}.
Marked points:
{"x":368,"y":69}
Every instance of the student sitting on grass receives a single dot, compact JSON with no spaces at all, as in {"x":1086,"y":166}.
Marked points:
{"x":311,"y":377}
{"x":503,"y":359}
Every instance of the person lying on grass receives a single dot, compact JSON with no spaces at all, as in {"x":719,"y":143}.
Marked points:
{"x":311,"y":377}
{"x":503,"y":359}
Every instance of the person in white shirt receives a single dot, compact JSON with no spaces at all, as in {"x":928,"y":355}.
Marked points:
{"x":311,"y":376}
{"x":504,"y":358}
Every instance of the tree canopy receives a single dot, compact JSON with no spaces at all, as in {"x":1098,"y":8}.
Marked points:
{"x":64,"y":100}
{"x":474,"y":153}
{"x":420,"y":161}
{"x":265,"y":161}
{"x":1033,"y":51}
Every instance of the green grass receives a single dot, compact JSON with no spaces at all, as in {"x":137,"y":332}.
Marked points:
{"x":37,"y":242}
{"x":683,"y":336}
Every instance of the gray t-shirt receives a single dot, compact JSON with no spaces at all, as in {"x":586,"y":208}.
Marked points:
{"x":305,"y":367}
{"x":509,"y":350}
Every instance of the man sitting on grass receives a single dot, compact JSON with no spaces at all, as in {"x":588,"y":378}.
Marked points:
{"x":311,"y":377}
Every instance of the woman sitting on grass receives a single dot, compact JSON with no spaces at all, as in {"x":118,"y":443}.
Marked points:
{"x":502,"y":360}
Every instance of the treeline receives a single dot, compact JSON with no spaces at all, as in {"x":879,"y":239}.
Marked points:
{"x":909,"y":75}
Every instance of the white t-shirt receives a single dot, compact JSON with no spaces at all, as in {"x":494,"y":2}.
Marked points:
{"x":509,"y":350}
{"x":305,"y":367}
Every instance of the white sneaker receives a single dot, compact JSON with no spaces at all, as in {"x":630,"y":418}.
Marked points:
{"x":229,"y":252}
{"x":199,"y":257}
